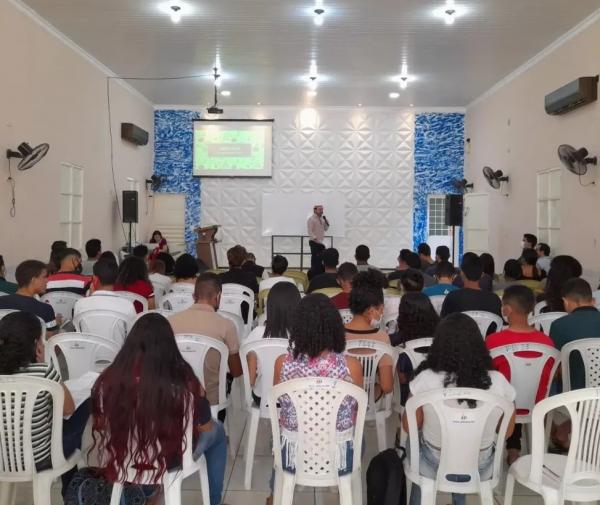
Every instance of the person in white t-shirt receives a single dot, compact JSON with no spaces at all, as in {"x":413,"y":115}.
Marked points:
{"x":102,"y":288}
{"x":458,"y":357}
{"x":279,"y":265}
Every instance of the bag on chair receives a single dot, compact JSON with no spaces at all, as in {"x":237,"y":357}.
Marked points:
{"x":88,"y":487}
{"x":386,"y":484}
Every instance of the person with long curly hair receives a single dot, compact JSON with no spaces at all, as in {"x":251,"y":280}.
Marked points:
{"x":317,"y":346}
{"x":150,"y":393}
{"x":562,"y":268}
{"x":133,"y":277}
{"x":457,"y":358}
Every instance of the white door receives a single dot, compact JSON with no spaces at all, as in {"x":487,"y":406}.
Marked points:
{"x":476,"y":222}
{"x":169,"y":218}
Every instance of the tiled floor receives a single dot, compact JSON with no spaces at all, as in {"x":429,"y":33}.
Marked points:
{"x":235,"y":494}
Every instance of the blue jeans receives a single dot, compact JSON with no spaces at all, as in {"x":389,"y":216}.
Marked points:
{"x":428,"y":465}
{"x":213,"y":444}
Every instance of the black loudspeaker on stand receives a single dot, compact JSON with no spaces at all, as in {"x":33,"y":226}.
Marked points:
{"x":454,"y":215}
{"x":130,"y":212}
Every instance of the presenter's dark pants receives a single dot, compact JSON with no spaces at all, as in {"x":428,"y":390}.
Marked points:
{"x":316,"y":258}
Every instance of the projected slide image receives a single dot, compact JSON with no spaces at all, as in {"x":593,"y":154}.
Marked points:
{"x":219,"y":149}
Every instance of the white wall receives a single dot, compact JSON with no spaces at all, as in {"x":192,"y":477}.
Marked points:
{"x":50,"y":93}
{"x":510,"y":130}
{"x":364,"y":154}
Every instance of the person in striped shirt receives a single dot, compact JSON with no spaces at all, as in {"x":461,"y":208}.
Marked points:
{"x":68,"y":277}
{"x":22,"y":354}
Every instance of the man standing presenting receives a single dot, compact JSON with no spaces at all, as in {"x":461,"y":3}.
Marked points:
{"x":317,"y":226}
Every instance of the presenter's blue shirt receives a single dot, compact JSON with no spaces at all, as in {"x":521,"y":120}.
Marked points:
{"x":439,"y":289}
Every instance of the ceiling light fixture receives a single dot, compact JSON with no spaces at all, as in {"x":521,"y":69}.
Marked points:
{"x":404,"y":76}
{"x":311,"y":93}
{"x":319,"y":16}
{"x":394,"y":95}
{"x":258,"y":103}
{"x":449,"y":12}
{"x":313,"y":84}
{"x":225,"y":93}
{"x":175,"y":13}
{"x":313,"y":76}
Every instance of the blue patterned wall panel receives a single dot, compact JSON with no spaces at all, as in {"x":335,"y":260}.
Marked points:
{"x":173,"y":141}
{"x":439,"y":161}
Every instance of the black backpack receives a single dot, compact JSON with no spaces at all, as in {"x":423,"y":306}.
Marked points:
{"x":386,"y":484}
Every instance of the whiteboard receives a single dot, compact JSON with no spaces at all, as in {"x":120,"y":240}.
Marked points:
{"x":287,"y":213}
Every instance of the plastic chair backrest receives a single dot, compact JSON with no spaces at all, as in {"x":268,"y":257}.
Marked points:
{"x":411,"y":349}
{"x":176,"y":302}
{"x":2,"y":293}
{"x":317,"y":401}
{"x":462,"y":431}
{"x":18,"y":396}
{"x":484,"y":320}
{"x":194,"y":348}
{"x":81,"y":352}
{"x":596,"y":295}
{"x":160,"y":290}
{"x":390,"y":305}
{"x":543,"y":322}
{"x":181,"y":287}
{"x":63,"y":302}
{"x":526,"y":362}
{"x":106,"y":323}
{"x":134,"y":297}
{"x":300,"y":277}
{"x":262,"y":301}
{"x":370,"y":353}
{"x":346,"y":315}
{"x":238,"y":322}
{"x":437,"y":301}
{"x":589,"y":350}
{"x":231,"y":288}
{"x":539,"y":306}
{"x":583,"y":461}
{"x":330,"y":292}
{"x":6,"y":312}
{"x":232,"y":302}
{"x":389,"y":324}
{"x":267,"y":350}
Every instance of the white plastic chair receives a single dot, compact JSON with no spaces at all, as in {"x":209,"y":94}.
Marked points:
{"x":411,"y":349}
{"x":6,"y":312}
{"x":17,"y":401}
{"x":596,"y":295}
{"x":389,"y":324}
{"x":346,"y":315}
{"x":134,"y":297}
{"x":484,"y":320}
{"x":63,"y":303}
{"x":437,"y":301}
{"x":370,"y":353}
{"x":160,"y":289}
{"x":589,"y":350}
{"x":176,"y":302}
{"x":162,"y":312}
{"x":543,"y":322}
{"x":557,"y":478}
{"x":232,"y":297}
{"x":526,"y":362}
{"x":316,"y":401}
{"x":82,"y":352}
{"x":537,"y":310}
{"x":390,"y":306}
{"x":462,"y":431}
{"x":267,"y":351}
{"x":106,"y":323}
{"x":172,"y":480}
{"x":237,"y":321}
{"x":182,"y":287}
{"x":2,"y":293}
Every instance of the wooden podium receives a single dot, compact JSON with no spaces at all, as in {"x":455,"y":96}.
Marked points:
{"x":205,"y":245}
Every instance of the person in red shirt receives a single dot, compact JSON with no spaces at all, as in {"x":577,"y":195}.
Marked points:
{"x":345,"y":274}
{"x":517,"y":302}
{"x":133,"y":277}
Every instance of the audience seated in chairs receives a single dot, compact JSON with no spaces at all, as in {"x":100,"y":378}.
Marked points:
{"x":109,"y":255}
{"x":102,"y":295}
{"x":69,"y":278}
{"x":279,"y":265}
{"x":236,"y":275}
{"x":512,"y":273}
{"x":442,"y":255}
{"x":517,"y":303}
{"x":529,"y":269}
{"x":529,"y":241}
{"x":317,"y":345}
{"x":32,"y":276}
{"x":157,"y":273}
{"x":328,"y":279}
{"x":412,"y":281}
{"x":133,"y":277}
{"x":56,"y":249}
{"x":457,"y":358}
{"x":168,"y":261}
{"x":345,"y":275}
{"x":562,"y":268}
{"x":362,"y":255}
{"x":93,"y":250}
{"x":186,"y":270}
{"x":409,"y":259}
{"x":141,"y":251}
{"x":6,"y":287}
{"x":485,"y":281}
{"x":489,"y":267}
{"x":160,"y":391}
{"x":250,"y":265}
{"x":202,"y":318}
{"x":471,"y":296}
{"x":444,"y":275}
{"x":544,"y":259}
{"x":22,"y":354}
{"x":366,"y":305}
{"x":424,"y":252}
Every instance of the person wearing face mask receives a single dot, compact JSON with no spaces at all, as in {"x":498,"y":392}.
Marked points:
{"x":366,"y":305}
{"x":68,"y":277}
{"x":529,"y":241}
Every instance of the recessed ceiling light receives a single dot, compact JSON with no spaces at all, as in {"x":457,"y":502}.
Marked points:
{"x":360,"y":104}
{"x":450,"y":11}
{"x":225,"y":93}
{"x":175,"y":13}
{"x":258,"y":103}
{"x":313,"y":84}
{"x":175,"y":9}
{"x":319,"y":16}
{"x":412,"y":104}
{"x":394,"y":95}
{"x":311,"y":93}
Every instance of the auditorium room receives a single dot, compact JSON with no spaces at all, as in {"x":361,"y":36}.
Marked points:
{"x":309,"y":252}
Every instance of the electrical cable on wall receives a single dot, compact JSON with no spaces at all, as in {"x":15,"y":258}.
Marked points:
{"x":13,"y":202}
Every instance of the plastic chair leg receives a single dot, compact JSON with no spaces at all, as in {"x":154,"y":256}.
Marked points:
{"x":172,"y":491}
{"x":345,"y":487}
{"x":381,"y":431}
{"x":231,"y":444}
{"x":357,"y":487}
{"x":41,"y":489}
{"x":487,"y":495}
{"x":204,"y":486}
{"x":8,"y":493}
{"x":115,"y":497}
{"x":251,"y":446}
{"x":288,"y":481}
{"x":509,"y":489}
{"x":428,"y":492}
{"x":278,"y":487}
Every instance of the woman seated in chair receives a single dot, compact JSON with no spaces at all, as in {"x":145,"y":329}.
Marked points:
{"x":317,"y":345}
{"x":161,"y":244}
{"x":366,"y":305}
{"x":457,"y":357}
{"x":150,"y":392}
{"x":186,"y":271}
{"x":133,"y":277}
{"x":22,"y":354}
{"x":282,"y":303}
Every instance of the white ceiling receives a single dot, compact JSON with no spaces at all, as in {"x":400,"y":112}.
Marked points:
{"x":266,"y":46}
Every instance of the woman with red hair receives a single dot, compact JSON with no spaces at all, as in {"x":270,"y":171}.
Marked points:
{"x":148,"y":393}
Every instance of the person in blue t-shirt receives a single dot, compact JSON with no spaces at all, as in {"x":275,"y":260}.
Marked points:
{"x":444,"y":273}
